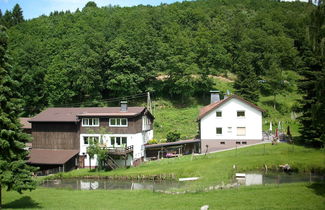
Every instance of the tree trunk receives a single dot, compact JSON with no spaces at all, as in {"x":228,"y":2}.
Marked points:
{"x":89,"y":163}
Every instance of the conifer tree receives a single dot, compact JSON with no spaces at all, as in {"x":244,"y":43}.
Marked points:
{"x":312,"y":85}
{"x":246,"y":84}
{"x":7,"y":19}
{"x":15,"y":174}
{"x":17,"y":15}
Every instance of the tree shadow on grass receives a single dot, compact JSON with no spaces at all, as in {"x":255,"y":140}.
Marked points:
{"x":319,"y":188}
{"x":23,"y":202}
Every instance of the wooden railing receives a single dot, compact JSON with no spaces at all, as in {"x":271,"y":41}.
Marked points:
{"x":119,"y":150}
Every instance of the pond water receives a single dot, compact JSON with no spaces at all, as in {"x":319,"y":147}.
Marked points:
{"x":278,"y":178}
{"x":106,"y":184}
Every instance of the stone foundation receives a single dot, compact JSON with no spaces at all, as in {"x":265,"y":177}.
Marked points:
{"x":215,"y":145}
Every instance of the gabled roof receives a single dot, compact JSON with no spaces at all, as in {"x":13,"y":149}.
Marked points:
{"x":207,"y":109}
{"x":51,"y":157}
{"x":25,"y":123}
{"x":73,"y":114}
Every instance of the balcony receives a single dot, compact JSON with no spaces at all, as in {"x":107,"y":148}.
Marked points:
{"x":119,"y":150}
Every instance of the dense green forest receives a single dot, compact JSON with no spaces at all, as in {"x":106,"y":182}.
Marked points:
{"x":82,"y":58}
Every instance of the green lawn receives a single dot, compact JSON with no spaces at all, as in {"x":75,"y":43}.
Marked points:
{"x":217,"y":167}
{"x":286,"y":196}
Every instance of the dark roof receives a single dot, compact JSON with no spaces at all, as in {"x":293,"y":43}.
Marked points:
{"x":207,"y":109}
{"x":172,"y":143}
{"x":50,"y":157}
{"x":71,"y":114}
{"x":25,"y":123}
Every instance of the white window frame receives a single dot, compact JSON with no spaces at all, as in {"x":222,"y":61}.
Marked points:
{"x":239,"y":128}
{"x":120,"y":124}
{"x":92,"y":120}
{"x":146,"y":123}
{"x":92,"y":137}
{"x":241,"y":111}
{"x":115,"y":141}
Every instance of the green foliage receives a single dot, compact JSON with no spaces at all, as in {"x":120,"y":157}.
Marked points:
{"x":173,"y":136}
{"x":13,"y":18}
{"x":153,"y":141}
{"x":15,"y":174}
{"x":312,"y":84}
{"x":83,"y":57}
{"x":246,"y":84}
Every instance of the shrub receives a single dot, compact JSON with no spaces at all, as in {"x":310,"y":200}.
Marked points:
{"x":173,"y":136}
{"x":152,"y":141}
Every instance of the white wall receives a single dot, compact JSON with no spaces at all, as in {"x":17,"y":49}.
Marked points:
{"x":137,"y":140}
{"x":252,"y":121}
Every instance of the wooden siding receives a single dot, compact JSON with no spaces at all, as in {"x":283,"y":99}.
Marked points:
{"x":55,"y":135}
{"x":134,"y":126}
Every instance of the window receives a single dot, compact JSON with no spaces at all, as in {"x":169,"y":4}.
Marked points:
{"x":146,"y":123}
{"x":244,"y":142}
{"x":222,"y":142}
{"x":237,"y":142}
{"x":218,"y":114}
{"x":241,"y":131}
{"x":118,"y":122}
{"x":91,"y":122}
{"x":118,"y":141}
{"x":89,"y":139}
{"x":219,"y":130}
{"x":229,"y":129}
{"x":240,"y":113}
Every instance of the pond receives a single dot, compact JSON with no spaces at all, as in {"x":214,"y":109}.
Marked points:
{"x":107,"y":184}
{"x":278,"y":178}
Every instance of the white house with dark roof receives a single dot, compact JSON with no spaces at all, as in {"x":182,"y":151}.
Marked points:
{"x":123,"y":131}
{"x":229,"y":122}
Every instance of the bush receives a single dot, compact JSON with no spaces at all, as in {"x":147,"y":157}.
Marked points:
{"x":173,"y":136}
{"x":152,"y":141}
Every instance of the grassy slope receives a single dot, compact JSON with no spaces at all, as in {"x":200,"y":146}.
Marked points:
{"x":169,"y":117}
{"x":288,"y":196}
{"x":218,"y":167}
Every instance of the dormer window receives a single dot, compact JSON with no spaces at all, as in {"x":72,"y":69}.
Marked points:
{"x":90,"y":122}
{"x":240,"y":113}
{"x":118,"y":122}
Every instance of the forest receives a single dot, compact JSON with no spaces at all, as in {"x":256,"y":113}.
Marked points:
{"x":86,"y":57}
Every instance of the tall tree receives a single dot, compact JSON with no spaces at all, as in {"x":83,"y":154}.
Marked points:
{"x":246,"y":84}
{"x":312,"y":85}
{"x":17,"y":15}
{"x":7,"y":19}
{"x":15,"y":174}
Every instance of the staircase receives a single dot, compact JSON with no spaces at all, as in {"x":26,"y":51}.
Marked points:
{"x":111,"y":162}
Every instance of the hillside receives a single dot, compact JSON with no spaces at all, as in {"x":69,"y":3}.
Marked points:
{"x":82,"y":58}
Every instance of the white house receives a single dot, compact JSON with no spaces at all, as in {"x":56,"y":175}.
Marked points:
{"x":62,"y":135}
{"x":229,"y":122}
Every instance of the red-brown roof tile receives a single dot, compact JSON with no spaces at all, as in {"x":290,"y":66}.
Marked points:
{"x":71,"y":114}
{"x":50,"y":157}
{"x":25,"y":123}
{"x":207,"y":109}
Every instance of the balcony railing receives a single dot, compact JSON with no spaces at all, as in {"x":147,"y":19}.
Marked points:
{"x":120,"y":150}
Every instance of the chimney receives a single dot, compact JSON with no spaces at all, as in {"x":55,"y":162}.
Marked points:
{"x":227,"y":94}
{"x":124,"y":106}
{"x":215,"y":96}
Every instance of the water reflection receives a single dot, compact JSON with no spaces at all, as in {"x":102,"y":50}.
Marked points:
{"x":96,"y":184}
{"x":278,"y":178}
